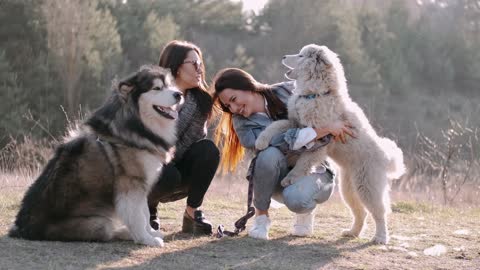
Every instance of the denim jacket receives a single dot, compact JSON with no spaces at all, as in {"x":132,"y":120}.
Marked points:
{"x":248,"y":129}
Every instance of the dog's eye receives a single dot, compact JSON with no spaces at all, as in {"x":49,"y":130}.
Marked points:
{"x":156,"y":88}
{"x":300,"y":56}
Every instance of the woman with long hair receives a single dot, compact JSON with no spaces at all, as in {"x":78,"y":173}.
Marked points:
{"x":196,"y":158}
{"x":248,"y":108}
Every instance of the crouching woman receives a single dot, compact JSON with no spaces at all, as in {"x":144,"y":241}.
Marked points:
{"x":248,"y":108}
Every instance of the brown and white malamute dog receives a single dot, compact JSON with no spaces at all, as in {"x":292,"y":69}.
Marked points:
{"x":100,"y":176}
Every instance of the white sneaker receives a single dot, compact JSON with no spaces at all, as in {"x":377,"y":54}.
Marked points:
{"x":260,"y":228}
{"x":304,"y":224}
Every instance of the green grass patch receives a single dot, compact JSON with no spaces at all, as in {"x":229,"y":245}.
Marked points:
{"x":406,"y":207}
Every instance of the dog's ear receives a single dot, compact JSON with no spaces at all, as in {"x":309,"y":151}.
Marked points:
{"x":322,"y":57}
{"x":326,"y":56}
{"x":169,"y":79}
{"x":127,"y":85}
{"x":124,"y":89}
{"x":306,"y":68}
{"x":322,"y":64}
{"x":321,"y":60}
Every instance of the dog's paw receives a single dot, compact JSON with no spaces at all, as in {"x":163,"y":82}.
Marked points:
{"x":292,"y":177}
{"x":156,"y":233}
{"x":380,"y":239}
{"x":152,"y":241}
{"x":262,"y":142}
{"x":289,"y":179}
{"x":286,"y":182}
{"x":350,"y":233}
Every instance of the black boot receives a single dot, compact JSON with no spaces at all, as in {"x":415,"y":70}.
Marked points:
{"x":197,"y":225}
{"x":167,"y":189}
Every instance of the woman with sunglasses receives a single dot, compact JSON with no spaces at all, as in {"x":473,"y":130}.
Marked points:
{"x":249,"y":107}
{"x":196,"y":158}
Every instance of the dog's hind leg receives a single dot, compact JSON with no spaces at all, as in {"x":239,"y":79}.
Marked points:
{"x":122,"y":233}
{"x":95,"y":228}
{"x":374,"y":195}
{"x":350,"y":197}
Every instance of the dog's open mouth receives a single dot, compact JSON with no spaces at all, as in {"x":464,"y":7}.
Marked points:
{"x":290,"y":74}
{"x":167,"y":112}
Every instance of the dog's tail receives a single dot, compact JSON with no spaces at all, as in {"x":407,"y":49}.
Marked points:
{"x":396,"y":167}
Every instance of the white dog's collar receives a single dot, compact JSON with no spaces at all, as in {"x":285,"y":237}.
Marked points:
{"x":313,"y":96}
{"x":309,"y":96}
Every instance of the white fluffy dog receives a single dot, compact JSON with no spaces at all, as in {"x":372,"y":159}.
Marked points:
{"x":367,"y":162}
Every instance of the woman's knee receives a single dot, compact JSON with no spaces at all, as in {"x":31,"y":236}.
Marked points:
{"x":207,"y":150}
{"x":270,"y":159}
{"x":305,"y":194}
{"x":297,"y":201}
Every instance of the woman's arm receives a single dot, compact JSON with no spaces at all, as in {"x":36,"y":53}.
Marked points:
{"x":247,"y":131}
{"x":292,"y":140}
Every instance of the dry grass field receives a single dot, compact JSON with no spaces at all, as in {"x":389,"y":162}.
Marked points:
{"x":415,"y":227}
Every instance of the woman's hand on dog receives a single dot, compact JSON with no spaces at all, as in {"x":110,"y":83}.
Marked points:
{"x":339,"y":130}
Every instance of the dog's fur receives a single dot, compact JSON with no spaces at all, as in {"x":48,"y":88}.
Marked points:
{"x":100,"y":176}
{"x":367,"y":162}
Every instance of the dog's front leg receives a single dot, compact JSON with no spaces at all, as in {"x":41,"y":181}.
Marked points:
{"x":277,"y":127}
{"x":304,"y":165}
{"x":152,"y":231}
{"x":129,"y":206}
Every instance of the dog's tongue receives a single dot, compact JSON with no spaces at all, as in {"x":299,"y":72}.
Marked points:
{"x":173,"y":113}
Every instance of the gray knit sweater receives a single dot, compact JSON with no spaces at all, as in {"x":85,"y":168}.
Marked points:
{"x":191,"y":125}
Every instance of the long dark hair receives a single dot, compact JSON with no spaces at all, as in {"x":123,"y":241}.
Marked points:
{"x":234,"y":78}
{"x":172,"y":57}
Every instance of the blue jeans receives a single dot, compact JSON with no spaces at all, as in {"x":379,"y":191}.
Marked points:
{"x":300,"y":197}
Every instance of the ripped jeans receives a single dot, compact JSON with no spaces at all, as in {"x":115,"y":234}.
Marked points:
{"x":301,"y":197}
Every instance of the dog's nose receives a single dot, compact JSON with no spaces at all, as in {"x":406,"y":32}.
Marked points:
{"x":177,"y":96}
{"x":284,"y":57}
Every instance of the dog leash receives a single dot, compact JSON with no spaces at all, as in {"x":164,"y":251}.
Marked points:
{"x":241,"y":223}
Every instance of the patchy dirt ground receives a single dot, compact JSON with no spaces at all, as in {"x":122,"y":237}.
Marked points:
{"x":416,"y":230}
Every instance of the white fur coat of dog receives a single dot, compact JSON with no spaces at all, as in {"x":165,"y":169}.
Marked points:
{"x":367,"y":162}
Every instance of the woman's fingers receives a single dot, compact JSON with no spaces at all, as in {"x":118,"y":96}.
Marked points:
{"x":342,"y":137}
{"x":348,"y":129}
{"x":340,"y":134}
{"x":349,"y":132}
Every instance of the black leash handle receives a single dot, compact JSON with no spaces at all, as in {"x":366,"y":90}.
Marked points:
{"x":241,"y":223}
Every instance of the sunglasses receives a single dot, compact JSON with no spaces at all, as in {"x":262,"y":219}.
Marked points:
{"x":197,"y":64}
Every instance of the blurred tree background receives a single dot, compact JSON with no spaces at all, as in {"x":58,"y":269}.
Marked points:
{"x":412,"y":65}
